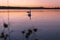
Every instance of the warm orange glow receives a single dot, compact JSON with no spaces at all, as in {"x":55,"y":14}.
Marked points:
{"x":31,"y":3}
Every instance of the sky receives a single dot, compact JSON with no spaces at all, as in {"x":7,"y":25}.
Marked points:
{"x":31,"y":3}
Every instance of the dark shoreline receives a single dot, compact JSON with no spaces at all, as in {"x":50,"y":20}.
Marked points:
{"x":5,"y":7}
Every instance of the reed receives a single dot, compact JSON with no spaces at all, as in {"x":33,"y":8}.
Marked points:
{"x":29,"y":32}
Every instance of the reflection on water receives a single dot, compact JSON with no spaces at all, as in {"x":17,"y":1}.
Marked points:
{"x":47,"y":22}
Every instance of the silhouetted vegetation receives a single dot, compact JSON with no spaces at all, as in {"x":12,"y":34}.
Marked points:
{"x":5,"y":25}
{"x":29,"y":14}
{"x":3,"y":35}
{"x":10,"y":7}
{"x":29,"y":32}
{"x":35,"y":30}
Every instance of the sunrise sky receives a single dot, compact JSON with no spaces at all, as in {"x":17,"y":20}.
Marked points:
{"x":31,"y":3}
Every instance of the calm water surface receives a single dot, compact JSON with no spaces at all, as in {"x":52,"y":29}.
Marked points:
{"x":46,"y":21}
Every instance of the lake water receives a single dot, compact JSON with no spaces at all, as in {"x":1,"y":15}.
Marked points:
{"x":46,"y":21}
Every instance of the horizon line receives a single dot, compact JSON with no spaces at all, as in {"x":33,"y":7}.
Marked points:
{"x":13,"y":7}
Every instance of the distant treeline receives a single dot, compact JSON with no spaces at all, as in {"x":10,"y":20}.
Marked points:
{"x":9,"y":7}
